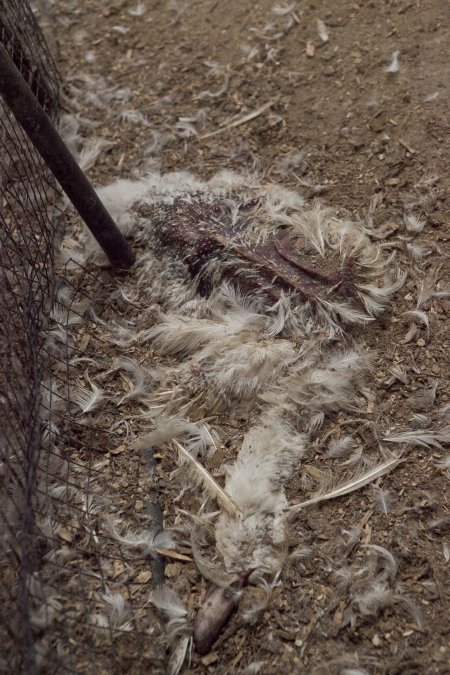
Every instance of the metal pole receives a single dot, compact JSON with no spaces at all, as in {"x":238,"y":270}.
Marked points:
{"x":55,"y":153}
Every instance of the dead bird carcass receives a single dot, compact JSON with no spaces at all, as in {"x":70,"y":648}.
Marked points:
{"x":249,"y":293}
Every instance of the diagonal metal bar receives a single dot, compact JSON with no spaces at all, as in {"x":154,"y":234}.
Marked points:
{"x":41,"y":132}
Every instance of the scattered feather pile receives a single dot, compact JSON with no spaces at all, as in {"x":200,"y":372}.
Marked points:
{"x":232,"y":349}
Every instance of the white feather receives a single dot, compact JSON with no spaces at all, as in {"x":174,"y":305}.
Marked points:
{"x":240,"y":372}
{"x":422,"y":317}
{"x":416,"y":251}
{"x":444,"y":464}
{"x":169,"y":602}
{"x":394,"y":63}
{"x":390,"y":563}
{"x":198,"y":439}
{"x":147,"y":541}
{"x":175,"y":613}
{"x":88,"y":399}
{"x":186,"y":335}
{"x":90,"y":152}
{"x":179,"y":654}
{"x":446,"y":551}
{"x":266,"y":459}
{"x":283,"y":10}
{"x":413,"y":608}
{"x":140,"y":383}
{"x":426,"y":438}
{"x":331,"y":385}
{"x":413,"y":223}
{"x":138,"y":9}
{"x":383,"y":499}
{"x":134,"y":117}
{"x":348,"y":485}
{"x":374,"y":600}
{"x":117,"y":611}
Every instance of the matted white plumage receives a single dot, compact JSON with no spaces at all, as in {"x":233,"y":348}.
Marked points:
{"x":247,"y":295}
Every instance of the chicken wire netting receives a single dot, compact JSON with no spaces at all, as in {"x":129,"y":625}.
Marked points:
{"x":84,"y":550}
{"x":27,"y":231}
{"x":47,"y":596}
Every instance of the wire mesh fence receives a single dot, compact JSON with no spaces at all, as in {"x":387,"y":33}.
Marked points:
{"x":65,"y":589}
{"x":27,"y":231}
{"x":78,"y":510}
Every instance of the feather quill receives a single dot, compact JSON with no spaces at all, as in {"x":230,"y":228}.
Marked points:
{"x":338,"y":447}
{"x":422,"y":437}
{"x":383,"y":499}
{"x":208,"y":482}
{"x":350,"y":485}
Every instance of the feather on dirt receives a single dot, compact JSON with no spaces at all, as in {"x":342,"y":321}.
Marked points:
{"x":247,"y":296}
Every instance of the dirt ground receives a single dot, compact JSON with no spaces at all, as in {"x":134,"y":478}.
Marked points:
{"x":337,"y":126}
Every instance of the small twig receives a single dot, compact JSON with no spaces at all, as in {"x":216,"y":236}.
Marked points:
{"x":242,"y":120}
